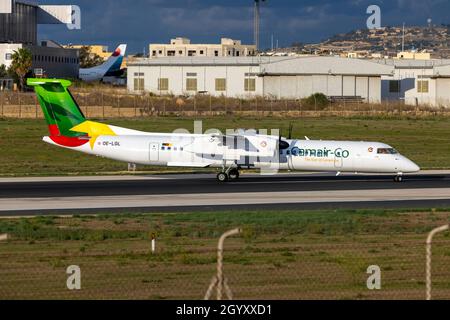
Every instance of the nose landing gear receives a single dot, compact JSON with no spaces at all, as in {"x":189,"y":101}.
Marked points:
{"x":398,"y":178}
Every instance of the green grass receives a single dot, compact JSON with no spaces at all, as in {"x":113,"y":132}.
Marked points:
{"x":426,"y":141}
{"x":289,"y":255}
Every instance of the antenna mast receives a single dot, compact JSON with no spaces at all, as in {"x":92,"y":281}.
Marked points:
{"x":256,"y":21}
{"x":403,"y":38}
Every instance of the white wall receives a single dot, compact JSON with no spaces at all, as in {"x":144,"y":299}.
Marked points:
{"x":443,"y":92}
{"x":408,"y":78}
{"x":298,"y":87}
{"x":5,"y":49}
{"x":205,"y":75}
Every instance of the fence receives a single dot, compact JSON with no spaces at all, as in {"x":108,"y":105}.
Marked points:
{"x":117,"y":262}
{"x":110,"y":105}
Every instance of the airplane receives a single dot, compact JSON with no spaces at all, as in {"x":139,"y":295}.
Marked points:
{"x":111,"y":66}
{"x":232,"y":152}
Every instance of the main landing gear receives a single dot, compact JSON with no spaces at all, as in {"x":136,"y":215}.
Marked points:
{"x":228,"y":174}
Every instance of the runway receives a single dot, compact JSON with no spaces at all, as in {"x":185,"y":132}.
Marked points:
{"x":202,"y":192}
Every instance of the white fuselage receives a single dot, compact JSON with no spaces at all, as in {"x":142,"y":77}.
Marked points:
{"x":201,"y":151}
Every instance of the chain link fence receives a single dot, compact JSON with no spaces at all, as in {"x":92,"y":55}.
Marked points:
{"x":122,"y":105}
{"x":116,"y":260}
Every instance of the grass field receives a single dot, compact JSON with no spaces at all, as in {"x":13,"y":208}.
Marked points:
{"x":289,"y":255}
{"x":426,"y":141}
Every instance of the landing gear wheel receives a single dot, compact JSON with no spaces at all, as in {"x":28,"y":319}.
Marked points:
{"x":398,"y":179}
{"x":234,"y":174}
{"x":222,"y":177}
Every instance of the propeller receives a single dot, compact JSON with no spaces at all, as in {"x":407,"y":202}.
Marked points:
{"x":283,"y":144}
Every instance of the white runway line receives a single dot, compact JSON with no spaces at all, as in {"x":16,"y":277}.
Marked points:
{"x":220,"y":199}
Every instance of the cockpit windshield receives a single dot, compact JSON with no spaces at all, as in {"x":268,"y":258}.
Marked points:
{"x":387,"y":151}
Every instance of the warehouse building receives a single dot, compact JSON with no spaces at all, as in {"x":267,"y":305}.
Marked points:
{"x":246,"y":77}
{"x":19,"y":20}
{"x":418,"y":82}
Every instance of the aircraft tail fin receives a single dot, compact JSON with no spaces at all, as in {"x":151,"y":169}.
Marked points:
{"x":115,"y":61}
{"x":60,"y":109}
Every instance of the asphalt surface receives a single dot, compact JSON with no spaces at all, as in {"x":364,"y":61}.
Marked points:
{"x":200,"y":184}
{"x":203,"y":192}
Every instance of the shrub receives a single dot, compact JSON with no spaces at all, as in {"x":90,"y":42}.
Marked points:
{"x":317,"y":101}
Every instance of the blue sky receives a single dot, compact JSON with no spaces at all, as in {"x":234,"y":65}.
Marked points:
{"x":140,"y":22}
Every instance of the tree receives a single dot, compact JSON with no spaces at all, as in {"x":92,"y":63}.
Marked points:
{"x":3,"y":71}
{"x":89,"y":59}
{"x":22,"y":60}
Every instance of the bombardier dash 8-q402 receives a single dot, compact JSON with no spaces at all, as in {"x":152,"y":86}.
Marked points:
{"x":229,"y":152}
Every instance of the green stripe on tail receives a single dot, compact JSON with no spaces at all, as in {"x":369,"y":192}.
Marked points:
{"x":59,"y":107}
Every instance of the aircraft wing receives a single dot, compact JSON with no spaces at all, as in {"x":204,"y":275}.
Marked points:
{"x":233,"y":147}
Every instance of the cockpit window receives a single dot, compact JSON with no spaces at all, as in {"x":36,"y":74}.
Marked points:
{"x":387,"y":151}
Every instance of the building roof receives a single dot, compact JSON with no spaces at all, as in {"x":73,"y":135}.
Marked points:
{"x":205,"y":61}
{"x":279,"y":65}
{"x":414,"y":64}
{"x":325,"y":65}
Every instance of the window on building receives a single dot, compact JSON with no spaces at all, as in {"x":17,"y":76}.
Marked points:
{"x":423,"y":86}
{"x":8,"y":56}
{"x":250,"y":85}
{"x":154,"y":53}
{"x":221,"y":84}
{"x":138,"y":74}
{"x":191,"y":84}
{"x":238,"y":53}
{"x":180,"y":52}
{"x":171,"y":53}
{"x":394,"y":86}
{"x":163,"y":84}
{"x":191,"y":74}
{"x":160,"y":52}
{"x":192,"y":53}
{"x":202,"y":52}
{"x":139,"y":84}
{"x":216,"y":53}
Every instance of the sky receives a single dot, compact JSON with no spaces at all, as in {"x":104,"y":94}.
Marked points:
{"x":141,"y":22}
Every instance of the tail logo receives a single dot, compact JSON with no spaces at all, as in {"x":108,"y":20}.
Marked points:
{"x":117,"y":52}
{"x":94,"y":130}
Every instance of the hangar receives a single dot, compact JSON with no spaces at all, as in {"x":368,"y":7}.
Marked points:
{"x":247,"y":77}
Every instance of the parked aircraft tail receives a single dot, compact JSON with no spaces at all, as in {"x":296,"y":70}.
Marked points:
{"x":111,"y":66}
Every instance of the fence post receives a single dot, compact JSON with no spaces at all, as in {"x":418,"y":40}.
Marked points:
{"x":86,"y":107}
{"x":118,"y":103}
{"x":3,"y":101}
{"x":428,"y":266}
{"x":36,"y":106}
{"x":20,"y":105}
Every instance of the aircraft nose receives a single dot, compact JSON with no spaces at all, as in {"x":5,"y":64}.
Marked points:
{"x":409,"y":166}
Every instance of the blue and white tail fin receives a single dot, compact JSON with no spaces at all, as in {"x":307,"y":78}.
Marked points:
{"x":111,"y":66}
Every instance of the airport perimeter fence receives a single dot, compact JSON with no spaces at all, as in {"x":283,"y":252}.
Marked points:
{"x":319,"y":267}
{"x":110,"y":105}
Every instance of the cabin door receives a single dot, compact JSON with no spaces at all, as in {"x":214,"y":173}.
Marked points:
{"x":154,"y":152}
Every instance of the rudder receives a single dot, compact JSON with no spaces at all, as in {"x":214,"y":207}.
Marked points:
{"x":60,"y":109}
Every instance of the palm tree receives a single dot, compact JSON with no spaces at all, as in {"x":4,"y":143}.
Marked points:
{"x":22,"y":61}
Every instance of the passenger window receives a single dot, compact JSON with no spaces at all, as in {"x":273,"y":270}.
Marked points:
{"x":387,"y":151}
